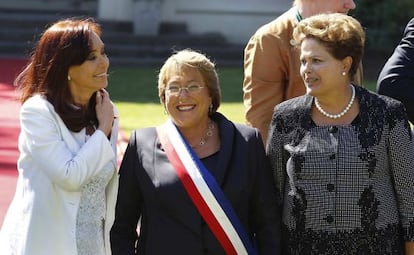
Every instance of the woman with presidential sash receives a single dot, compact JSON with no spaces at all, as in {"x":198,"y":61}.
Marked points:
{"x":199,"y":183}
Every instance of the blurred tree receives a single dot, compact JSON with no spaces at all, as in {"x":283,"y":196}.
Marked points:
{"x":384,"y":21}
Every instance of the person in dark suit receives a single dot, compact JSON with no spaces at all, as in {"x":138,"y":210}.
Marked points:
{"x":151,"y":189}
{"x":396,"y":78}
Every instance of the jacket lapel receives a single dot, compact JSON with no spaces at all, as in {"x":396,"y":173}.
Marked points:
{"x":227,"y":130}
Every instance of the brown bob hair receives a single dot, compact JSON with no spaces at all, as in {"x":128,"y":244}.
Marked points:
{"x":341,"y":34}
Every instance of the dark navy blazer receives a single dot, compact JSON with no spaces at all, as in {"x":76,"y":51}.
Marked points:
{"x":397,"y":76}
{"x":170,"y":223}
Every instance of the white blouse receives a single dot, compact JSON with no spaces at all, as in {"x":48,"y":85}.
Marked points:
{"x":92,"y":208}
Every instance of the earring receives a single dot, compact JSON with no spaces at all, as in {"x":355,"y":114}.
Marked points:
{"x":343,"y":73}
{"x":69,"y":78}
{"x":210,"y":109}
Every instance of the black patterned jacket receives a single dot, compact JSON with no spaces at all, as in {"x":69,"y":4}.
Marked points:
{"x":344,"y":189}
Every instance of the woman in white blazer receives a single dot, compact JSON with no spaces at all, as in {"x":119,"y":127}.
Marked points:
{"x":66,"y":189}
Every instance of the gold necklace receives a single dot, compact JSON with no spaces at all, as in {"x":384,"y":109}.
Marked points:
{"x":203,"y":140}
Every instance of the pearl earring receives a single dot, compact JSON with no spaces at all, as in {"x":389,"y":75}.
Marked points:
{"x":69,"y":78}
{"x":343,"y":73}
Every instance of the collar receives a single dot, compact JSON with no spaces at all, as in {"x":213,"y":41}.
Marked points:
{"x":298,"y":15}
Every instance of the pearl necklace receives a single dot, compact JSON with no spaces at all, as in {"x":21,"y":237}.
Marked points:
{"x":204,"y":139}
{"x":339,"y":115}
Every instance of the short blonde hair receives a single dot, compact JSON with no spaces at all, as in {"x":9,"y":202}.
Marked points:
{"x":198,"y":61}
{"x":341,"y":34}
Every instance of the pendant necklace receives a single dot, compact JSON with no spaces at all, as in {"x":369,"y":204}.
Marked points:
{"x":210,"y":132}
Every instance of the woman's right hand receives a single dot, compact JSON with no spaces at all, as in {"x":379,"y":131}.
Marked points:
{"x":104,"y":111}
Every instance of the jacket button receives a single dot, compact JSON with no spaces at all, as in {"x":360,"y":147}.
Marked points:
{"x":332,"y":156}
{"x":332,"y":129}
{"x":329,"y":219}
{"x":330,"y":187}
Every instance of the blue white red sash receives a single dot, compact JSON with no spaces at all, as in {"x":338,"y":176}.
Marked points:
{"x":204,"y":191}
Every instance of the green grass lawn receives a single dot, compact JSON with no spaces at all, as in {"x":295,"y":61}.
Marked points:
{"x":135,"y":94}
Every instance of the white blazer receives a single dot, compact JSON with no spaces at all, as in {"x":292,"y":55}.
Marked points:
{"x":52,"y":168}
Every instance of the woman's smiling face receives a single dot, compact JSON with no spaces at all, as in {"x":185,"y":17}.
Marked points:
{"x":188,"y":107}
{"x":91,"y":75}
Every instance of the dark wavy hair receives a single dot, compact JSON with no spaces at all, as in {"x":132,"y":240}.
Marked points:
{"x":65,"y":43}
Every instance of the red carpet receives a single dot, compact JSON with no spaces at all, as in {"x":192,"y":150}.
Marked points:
{"x":9,"y":132}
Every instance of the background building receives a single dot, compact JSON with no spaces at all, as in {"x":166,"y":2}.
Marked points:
{"x":236,"y":20}
{"x":145,"y":32}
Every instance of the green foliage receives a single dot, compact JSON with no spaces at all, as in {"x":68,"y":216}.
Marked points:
{"x":139,"y":115}
{"x":231,"y":83}
{"x":133,"y":84}
{"x":140,"y":84}
{"x":384,"y":21}
{"x":370,"y":85}
{"x":134,"y":92}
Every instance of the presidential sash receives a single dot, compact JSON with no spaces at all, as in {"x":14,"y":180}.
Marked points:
{"x":204,"y":191}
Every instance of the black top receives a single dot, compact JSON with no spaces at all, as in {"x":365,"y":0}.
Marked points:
{"x":170,"y":223}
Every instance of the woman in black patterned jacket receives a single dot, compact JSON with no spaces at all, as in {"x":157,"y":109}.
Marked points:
{"x":343,"y":157}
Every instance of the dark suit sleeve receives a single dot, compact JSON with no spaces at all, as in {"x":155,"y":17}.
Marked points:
{"x":396,"y":79}
{"x":128,"y":207}
{"x":266,"y":217}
